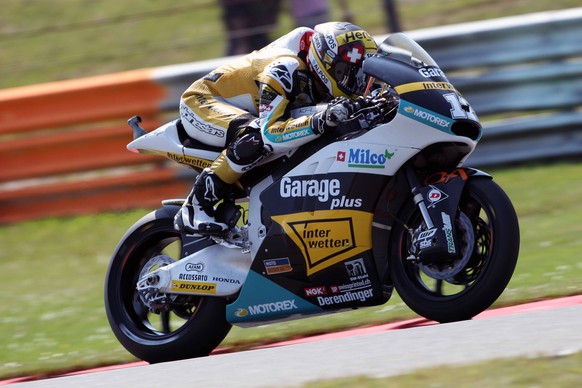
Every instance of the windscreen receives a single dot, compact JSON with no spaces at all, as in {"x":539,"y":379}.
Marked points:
{"x":401,"y":47}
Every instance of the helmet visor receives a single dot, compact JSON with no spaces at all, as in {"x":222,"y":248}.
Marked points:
{"x":349,"y":78}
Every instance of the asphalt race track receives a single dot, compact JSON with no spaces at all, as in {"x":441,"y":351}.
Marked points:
{"x":542,"y":328}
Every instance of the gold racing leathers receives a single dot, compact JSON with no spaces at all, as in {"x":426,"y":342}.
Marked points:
{"x":245,"y":106}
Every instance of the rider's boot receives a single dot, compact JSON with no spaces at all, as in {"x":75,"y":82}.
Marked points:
{"x":197,"y":214}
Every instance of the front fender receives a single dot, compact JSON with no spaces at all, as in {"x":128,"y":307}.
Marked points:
{"x":463,"y":173}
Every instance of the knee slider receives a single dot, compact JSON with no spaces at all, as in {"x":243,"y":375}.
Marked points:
{"x":246,"y":149}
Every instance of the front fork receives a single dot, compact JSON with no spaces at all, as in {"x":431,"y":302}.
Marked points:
{"x":437,"y":198}
{"x":417,"y":196}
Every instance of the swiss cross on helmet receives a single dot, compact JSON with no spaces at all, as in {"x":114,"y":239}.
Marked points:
{"x":336,"y":55}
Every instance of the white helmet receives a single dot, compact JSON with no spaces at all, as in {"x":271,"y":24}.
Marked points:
{"x":336,"y":55}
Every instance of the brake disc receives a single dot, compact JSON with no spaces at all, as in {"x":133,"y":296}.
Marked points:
{"x":465,"y":243}
{"x":150,"y":296}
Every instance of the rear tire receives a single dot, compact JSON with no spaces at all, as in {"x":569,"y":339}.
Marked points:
{"x":493,"y":257}
{"x":193,"y":327}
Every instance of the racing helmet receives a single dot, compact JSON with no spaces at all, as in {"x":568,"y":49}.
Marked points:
{"x":336,"y":55}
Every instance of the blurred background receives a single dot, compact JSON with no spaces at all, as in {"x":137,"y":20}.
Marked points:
{"x":44,"y":41}
{"x":53,"y":317}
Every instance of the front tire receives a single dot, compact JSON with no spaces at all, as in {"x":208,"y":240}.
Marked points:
{"x":492,"y":248}
{"x":193,"y":326}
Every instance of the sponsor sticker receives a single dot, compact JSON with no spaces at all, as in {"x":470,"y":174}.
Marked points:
{"x":199,"y":124}
{"x":344,"y":202}
{"x":322,"y":189}
{"x":331,"y":42}
{"x":189,"y":160}
{"x":357,"y":285}
{"x":425,"y":238}
{"x":315,"y":291}
{"x":327,"y":237}
{"x":294,"y":135}
{"x":317,"y":43}
{"x":427,"y":234}
{"x":425,"y":116}
{"x":321,"y":74}
{"x":429,"y":72}
{"x":355,"y":55}
{"x":448,"y":229}
{"x":435,"y":196}
{"x":416,"y":86}
{"x":356,"y":269}
{"x":198,"y":267}
{"x":364,"y":158}
{"x":346,"y":297}
{"x":351,"y":36}
{"x":192,"y":276}
{"x":225,"y":280}
{"x":325,"y":190}
{"x":267,"y":308}
{"x":324,"y":240}
{"x":194,"y":287}
{"x":277,"y":266}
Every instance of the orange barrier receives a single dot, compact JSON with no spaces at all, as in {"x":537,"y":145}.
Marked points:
{"x":99,"y":98}
{"x":112,"y":193}
{"x":68,"y":152}
{"x":50,"y":131}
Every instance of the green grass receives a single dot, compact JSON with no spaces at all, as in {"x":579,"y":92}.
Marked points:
{"x":53,"y":318}
{"x":43,"y":41}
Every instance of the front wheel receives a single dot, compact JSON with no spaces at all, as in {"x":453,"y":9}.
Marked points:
{"x":488,"y":233}
{"x":183,"y":326}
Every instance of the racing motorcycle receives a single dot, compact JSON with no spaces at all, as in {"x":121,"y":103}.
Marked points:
{"x":335,"y":225}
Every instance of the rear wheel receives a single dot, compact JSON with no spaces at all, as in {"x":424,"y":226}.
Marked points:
{"x":487,"y":233}
{"x":182,"y":326}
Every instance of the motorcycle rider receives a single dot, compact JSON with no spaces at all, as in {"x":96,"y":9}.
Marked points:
{"x":244,"y":107}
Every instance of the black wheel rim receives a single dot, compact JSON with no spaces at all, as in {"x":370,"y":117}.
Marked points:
{"x":141,"y":323}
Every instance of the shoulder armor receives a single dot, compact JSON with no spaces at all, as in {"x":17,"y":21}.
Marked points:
{"x":282,"y":70}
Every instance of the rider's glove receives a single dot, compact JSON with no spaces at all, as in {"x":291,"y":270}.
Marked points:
{"x":338,"y":111}
{"x":341,"y":109}
{"x":376,"y":111}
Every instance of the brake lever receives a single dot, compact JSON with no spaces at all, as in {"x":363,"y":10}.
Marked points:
{"x":377,"y":113}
